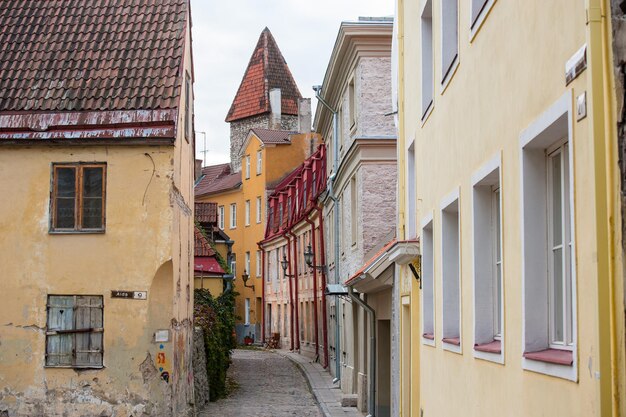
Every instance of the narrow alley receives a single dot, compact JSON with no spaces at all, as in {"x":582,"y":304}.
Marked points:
{"x":267,"y":384}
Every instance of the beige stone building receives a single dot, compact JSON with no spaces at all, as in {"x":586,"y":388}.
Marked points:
{"x":355,"y":117}
{"x":96,"y":154}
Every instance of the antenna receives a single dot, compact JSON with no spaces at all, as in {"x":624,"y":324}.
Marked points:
{"x":204,"y":149}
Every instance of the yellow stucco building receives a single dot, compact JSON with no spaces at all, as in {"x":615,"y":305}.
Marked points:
{"x":509,"y":177}
{"x":96,"y":222}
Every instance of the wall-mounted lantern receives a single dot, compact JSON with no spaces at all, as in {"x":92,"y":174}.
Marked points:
{"x":308,"y":258}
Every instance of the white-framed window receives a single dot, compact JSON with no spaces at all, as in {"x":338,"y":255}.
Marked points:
{"x":247,"y":312}
{"x":428,"y":284}
{"x":449,"y":37}
{"x":247,"y":164}
{"x":450,"y":273}
{"x":352,"y":104}
{"x":233,"y":215}
{"x":233,"y":264}
{"x":74,"y":331}
{"x":220,"y":217}
{"x":259,"y":209}
{"x":479,"y":10}
{"x":247,"y":264}
{"x":259,"y":162}
{"x":247,"y":213}
{"x":487,"y":248}
{"x":259,"y":263}
{"x":427,"y":57}
{"x":353,"y":210}
{"x":411,"y":195}
{"x":548,"y":264}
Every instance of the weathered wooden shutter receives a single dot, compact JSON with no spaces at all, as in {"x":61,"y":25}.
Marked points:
{"x":88,"y":331}
{"x":60,"y":343}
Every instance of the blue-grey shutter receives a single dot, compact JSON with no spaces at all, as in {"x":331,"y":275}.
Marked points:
{"x":59,"y":346}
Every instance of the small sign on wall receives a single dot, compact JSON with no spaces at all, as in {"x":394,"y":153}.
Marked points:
{"x":132,"y":295}
{"x":162,"y":336}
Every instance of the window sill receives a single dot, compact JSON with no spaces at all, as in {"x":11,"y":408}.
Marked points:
{"x":94,"y":367}
{"x":76,"y":232}
{"x":475,"y":27}
{"x":450,"y":74}
{"x":553,"y":356}
{"x":427,"y":112}
{"x":494,"y":346}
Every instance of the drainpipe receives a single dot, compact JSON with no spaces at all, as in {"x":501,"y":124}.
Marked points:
{"x":296,"y":295}
{"x":324,"y":272}
{"x":601,"y":96}
{"x":315,"y":289}
{"x":371,"y":404}
{"x":229,"y":258}
{"x":263,"y":329}
{"x":333,"y":197}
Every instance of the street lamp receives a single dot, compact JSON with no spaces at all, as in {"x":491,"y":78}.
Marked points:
{"x":285,"y":264}
{"x":245,"y":278}
{"x":308,"y":258}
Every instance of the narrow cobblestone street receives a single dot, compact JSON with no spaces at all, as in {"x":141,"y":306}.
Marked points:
{"x":269,"y":385}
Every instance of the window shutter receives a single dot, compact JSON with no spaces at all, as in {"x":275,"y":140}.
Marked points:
{"x":88,"y":331}
{"x":59,"y":346}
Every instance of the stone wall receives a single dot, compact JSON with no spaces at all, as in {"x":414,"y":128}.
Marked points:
{"x":239,"y":131}
{"x":200,"y":377}
{"x":373,"y":84}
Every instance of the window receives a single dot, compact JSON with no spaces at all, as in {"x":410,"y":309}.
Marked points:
{"x":74,"y":331}
{"x":451,"y":316}
{"x":259,"y":162}
{"x":411,"y":196}
{"x":220,"y":217}
{"x":352,"y":103}
{"x":428,"y":286}
{"x":353,"y":211}
{"x":340,"y":132}
{"x":548,"y":266}
{"x":247,"y":160}
{"x":449,"y":37}
{"x":247,"y":312}
{"x":233,"y":264}
{"x":233,"y":215}
{"x":259,"y":207}
{"x":427,"y":57}
{"x":247,"y":213}
{"x":78,"y":197}
{"x":480,"y":8}
{"x":188,"y":100}
{"x":259,"y":259}
{"x":487,"y":247}
{"x":247,"y":265}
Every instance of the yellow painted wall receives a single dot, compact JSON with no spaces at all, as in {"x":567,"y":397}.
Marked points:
{"x":509,"y":73}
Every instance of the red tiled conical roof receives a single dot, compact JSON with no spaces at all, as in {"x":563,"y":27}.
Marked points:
{"x":266,"y":70}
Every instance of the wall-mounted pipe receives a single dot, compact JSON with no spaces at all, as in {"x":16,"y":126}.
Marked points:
{"x":315,"y":287}
{"x":371,"y":399}
{"x":333,"y":197}
{"x":295,"y":278}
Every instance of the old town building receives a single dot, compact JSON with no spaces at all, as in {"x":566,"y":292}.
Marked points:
{"x":96,"y":154}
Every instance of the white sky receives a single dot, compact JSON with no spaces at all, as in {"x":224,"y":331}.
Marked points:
{"x":225,"y":34}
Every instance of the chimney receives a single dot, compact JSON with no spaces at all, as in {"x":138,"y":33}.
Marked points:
{"x":275,"y":106}
{"x":304,"y":115}
{"x":198,"y":169}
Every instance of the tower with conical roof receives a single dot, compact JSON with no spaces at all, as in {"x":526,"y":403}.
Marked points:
{"x":267,"y":96}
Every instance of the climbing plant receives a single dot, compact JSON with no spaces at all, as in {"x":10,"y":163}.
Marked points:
{"x":216,"y":316}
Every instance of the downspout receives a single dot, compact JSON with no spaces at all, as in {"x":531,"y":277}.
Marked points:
{"x":229,"y":258}
{"x":263,"y":329}
{"x":331,"y":194}
{"x":297,"y":295}
{"x":315,"y":289}
{"x":324,"y":272}
{"x":601,"y":113}
{"x":371,"y":403}
{"x":291,"y":324}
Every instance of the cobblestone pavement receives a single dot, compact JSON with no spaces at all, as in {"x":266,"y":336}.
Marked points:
{"x":270,"y":385}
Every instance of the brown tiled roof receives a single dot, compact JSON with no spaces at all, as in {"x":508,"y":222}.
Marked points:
{"x":267,"y":69}
{"x":217,"y":178}
{"x":89,"y":55}
{"x":273,"y":136}
{"x":201,"y":244}
{"x":206,"y":212}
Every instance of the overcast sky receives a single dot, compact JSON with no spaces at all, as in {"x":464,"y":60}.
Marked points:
{"x":225,"y":34}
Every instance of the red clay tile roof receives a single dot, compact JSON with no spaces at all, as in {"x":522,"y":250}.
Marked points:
{"x":273,"y":136}
{"x":201,"y":244}
{"x":206,"y":212}
{"x":267,"y":69}
{"x":208,"y":265}
{"x":217,"y":178}
{"x":82,"y":55}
